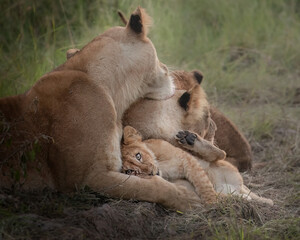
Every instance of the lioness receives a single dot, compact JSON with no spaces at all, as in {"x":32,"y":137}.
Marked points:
{"x":70,"y":120}
{"x":156,"y":156}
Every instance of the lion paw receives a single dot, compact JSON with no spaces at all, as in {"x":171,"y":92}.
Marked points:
{"x":187,"y":199}
{"x":186,"y":138}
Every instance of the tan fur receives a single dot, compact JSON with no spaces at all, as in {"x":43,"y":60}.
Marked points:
{"x":75,"y":112}
{"x":133,"y":141}
{"x":225,"y":177}
{"x":232,"y":141}
{"x":228,"y":137}
{"x":197,"y":116}
{"x":162,"y":120}
{"x":175,"y":164}
{"x":185,"y":80}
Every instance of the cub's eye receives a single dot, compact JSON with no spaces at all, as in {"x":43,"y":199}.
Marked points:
{"x":138,"y":156}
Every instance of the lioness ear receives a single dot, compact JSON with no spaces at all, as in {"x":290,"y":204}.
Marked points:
{"x":198,"y":76}
{"x":139,"y":22}
{"x":195,"y":97}
{"x":184,"y":99}
{"x":131,"y":135}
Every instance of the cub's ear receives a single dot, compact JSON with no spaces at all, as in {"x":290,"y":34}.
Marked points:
{"x":123,"y":18}
{"x":198,"y":76}
{"x":131,"y":135}
{"x":139,"y":22}
{"x":71,"y":52}
{"x":184,"y":99}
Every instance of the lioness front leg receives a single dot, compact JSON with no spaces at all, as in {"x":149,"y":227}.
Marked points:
{"x":201,"y":147}
{"x":154,"y":189}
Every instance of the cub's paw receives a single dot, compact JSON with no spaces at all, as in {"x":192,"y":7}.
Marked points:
{"x":203,"y":148}
{"x":186,"y":138}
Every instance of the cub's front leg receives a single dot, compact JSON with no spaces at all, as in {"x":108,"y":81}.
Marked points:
{"x":199,"y":146}
{"x":176,"y":163}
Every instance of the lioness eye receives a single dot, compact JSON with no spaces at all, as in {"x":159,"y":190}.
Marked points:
{"x":138,"y":156}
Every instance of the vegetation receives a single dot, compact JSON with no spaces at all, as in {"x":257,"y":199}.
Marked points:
{"x":250,"y":56}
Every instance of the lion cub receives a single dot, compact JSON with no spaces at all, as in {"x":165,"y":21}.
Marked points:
{"x":158,"y":157}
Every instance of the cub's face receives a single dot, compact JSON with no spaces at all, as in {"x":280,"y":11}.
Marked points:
{"x":137,"y":158}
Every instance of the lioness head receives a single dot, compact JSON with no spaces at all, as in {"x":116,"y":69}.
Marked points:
{"x":124,"y":60}
{"x":137,"y":158}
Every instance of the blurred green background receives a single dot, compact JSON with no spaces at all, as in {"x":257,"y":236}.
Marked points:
{"x":249,"y":51}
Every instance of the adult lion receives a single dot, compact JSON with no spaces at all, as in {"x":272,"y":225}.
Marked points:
{"x":71,"y":118}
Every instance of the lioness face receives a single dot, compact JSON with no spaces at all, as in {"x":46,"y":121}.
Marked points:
{"x":137,"y":158}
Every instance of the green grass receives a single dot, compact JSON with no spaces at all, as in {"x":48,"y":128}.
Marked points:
{"x":250,"y":56}
{"x":239,"y":45}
